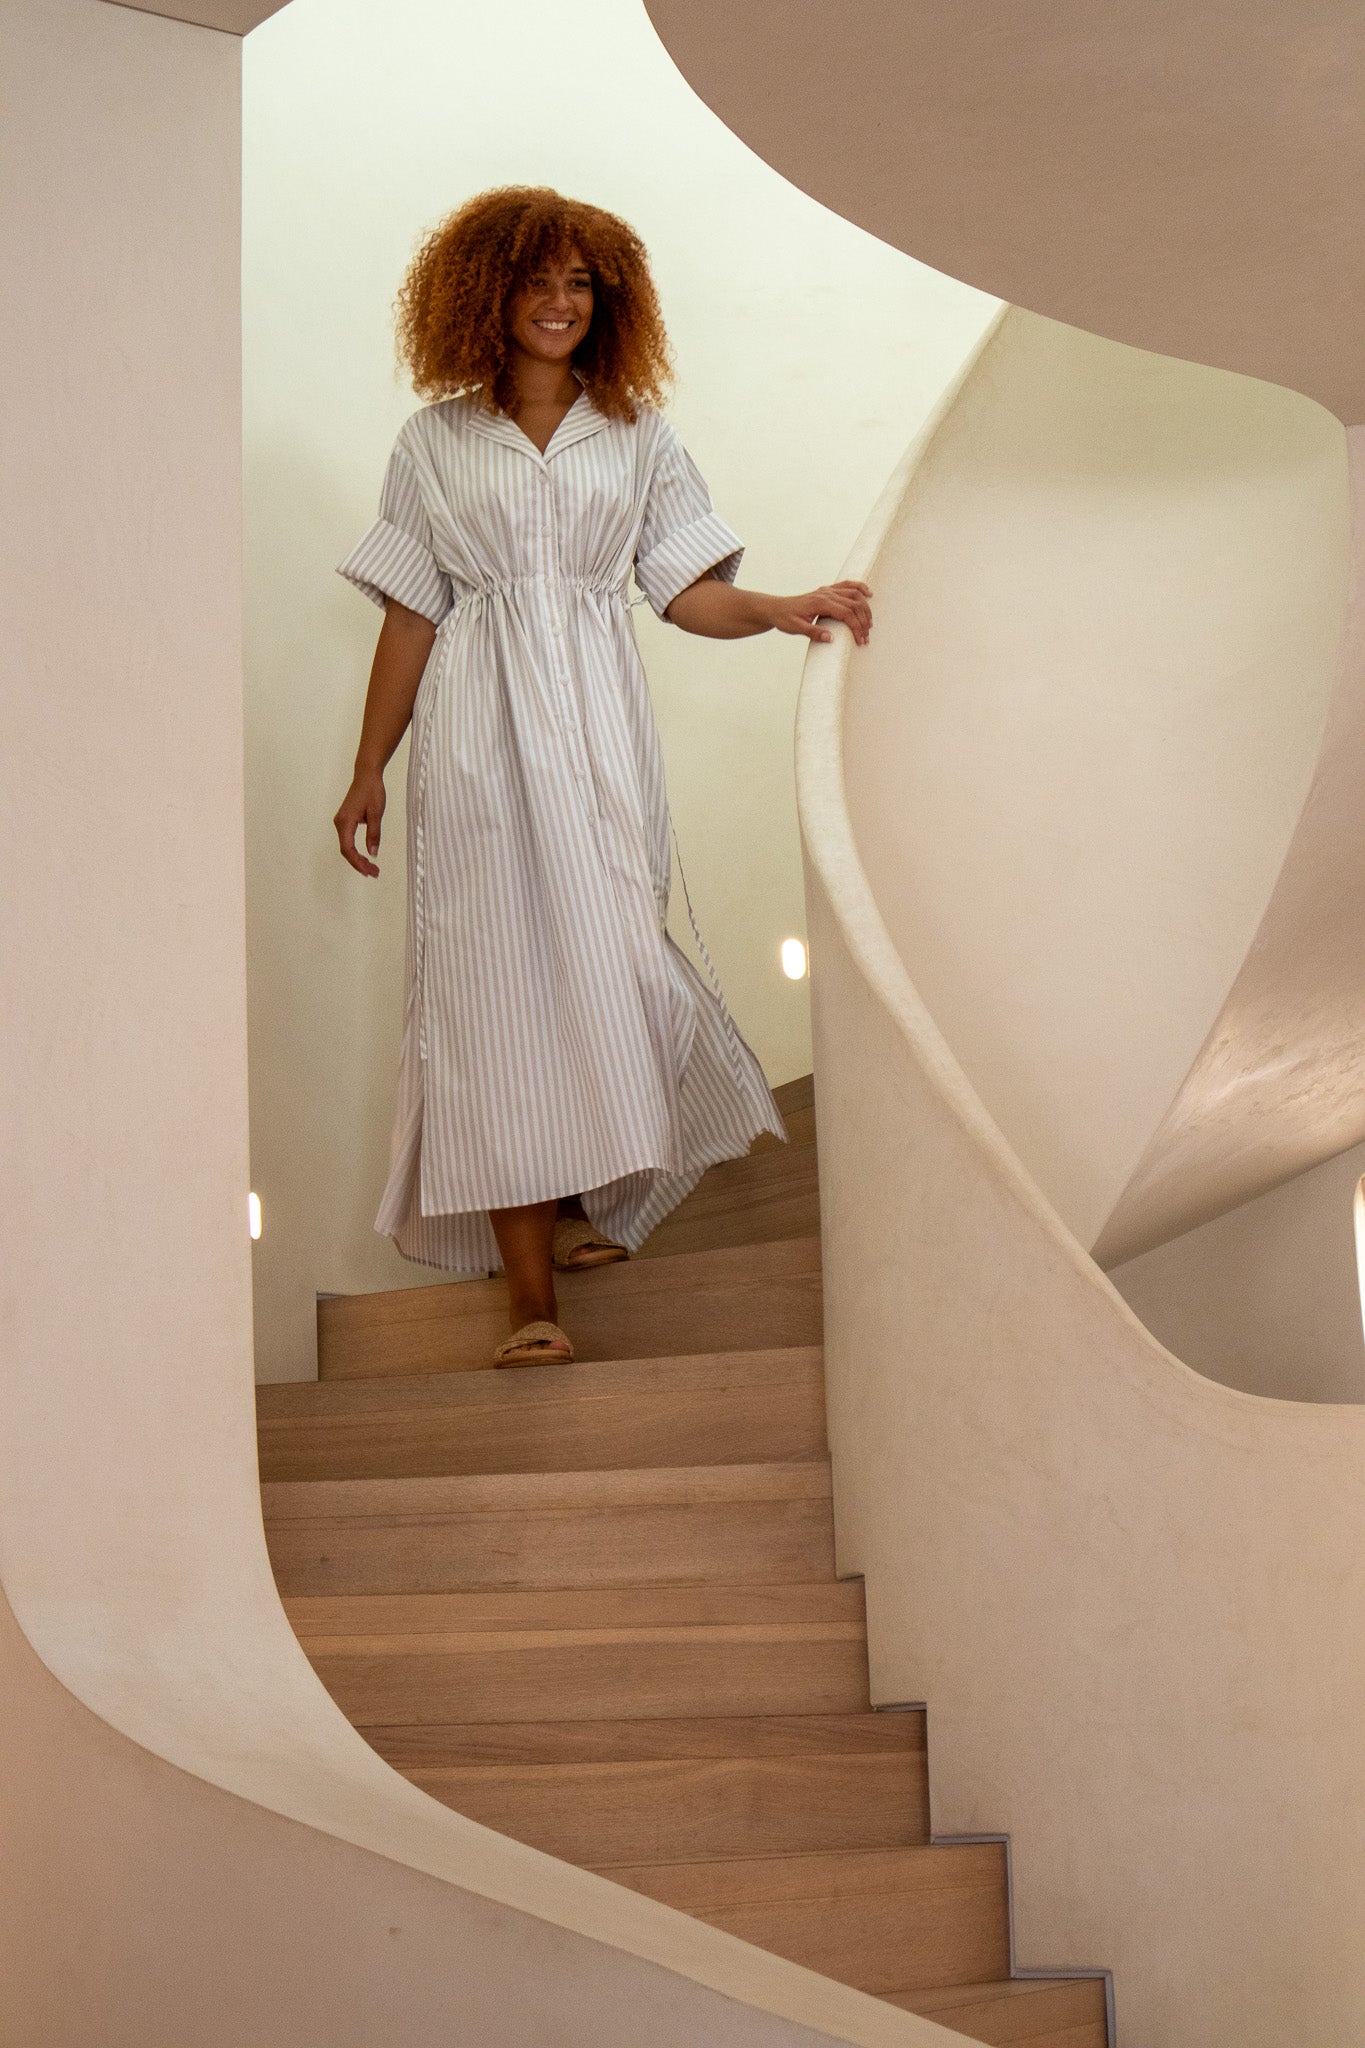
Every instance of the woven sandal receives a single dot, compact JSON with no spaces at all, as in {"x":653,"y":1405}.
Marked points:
{"x":576,"y":1234}
{"x":535,"y":1344}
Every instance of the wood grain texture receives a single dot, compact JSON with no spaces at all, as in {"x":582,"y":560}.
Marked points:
{"x":817,"y":1667}
{"x":594,"y":1607}
{"x":1021,"y":2013}
{"x":652,"y":1650}
{"x":725,"y":1523}
{"x":754,"y":1297}
{"x":638,"y":1810}
{"x":459,"y":1744}
{"x":742,"y":1407}
{"x":576,"y":1607}
{"x":795,"y":1097}
{"x":796,"y":1100}
{"x":762,"y":1198}
{"x":880,"y":1919}
{"x":800,"y":1132}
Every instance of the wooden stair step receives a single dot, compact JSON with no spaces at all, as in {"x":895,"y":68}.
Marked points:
{"x":517,"y":1608}
{"x":457,"y":1744}
{"x":593,"y":1607}
{"x":800,"y":1124}
{"x":798,"y":1094}
{"x":762,"y":1198}
{"x":796,"y":1100}
{"x":739,"y":1800}
{"x":701,"y":1522}
{"x":737,"y":1298}
{"x":1023,"y":2012}
{"x":731,"y":1408}
{"x":882,"y":1920}
{"x":585,"y":1654}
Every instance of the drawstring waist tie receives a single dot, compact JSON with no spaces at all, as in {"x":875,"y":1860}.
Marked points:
{"x":504,"y":586}
{"x":481,"y":592}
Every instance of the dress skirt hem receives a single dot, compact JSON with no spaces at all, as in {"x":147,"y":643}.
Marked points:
{"x":724,"y":1104}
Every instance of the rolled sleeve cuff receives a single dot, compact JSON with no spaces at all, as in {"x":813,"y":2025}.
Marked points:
{"x":683,"y":556}
{"x":387,"y":562}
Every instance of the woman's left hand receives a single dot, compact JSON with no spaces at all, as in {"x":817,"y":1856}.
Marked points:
{"x":847,"y":602}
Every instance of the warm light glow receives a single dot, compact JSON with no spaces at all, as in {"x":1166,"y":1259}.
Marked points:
{"x":253,"y":1211}
{"x":1360,"y":1245}
{"x":793,"y":959}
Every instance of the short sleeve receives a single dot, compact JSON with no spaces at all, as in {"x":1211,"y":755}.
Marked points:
{"x":682,"y":535}
{"x":395,"y":558}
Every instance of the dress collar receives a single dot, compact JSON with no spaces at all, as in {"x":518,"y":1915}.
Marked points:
{"x":582,"y":419}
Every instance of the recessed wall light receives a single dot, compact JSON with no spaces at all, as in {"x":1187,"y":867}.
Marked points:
{"x":793,"y":959}
{"x":253,"y":1215}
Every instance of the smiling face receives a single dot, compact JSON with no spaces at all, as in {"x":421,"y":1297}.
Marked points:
{"x":551,"y":311}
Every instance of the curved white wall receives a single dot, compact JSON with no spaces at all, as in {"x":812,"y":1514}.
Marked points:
{"x":1184,"y":179}
{"x":198,"y":1846}
{"x":1265,"y":1296}
{"x":1109,"y":615}
{"x":1279,"y":1084}
{"x":805,"y":348}
{"x":1131,"y":1597}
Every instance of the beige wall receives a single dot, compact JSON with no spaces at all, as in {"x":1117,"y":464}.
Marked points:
{"x":1266,"y":1297}
{"x":1111,"y":612}
{"x":808,"y":354}
{"x":1132,"y":1598}
{"x":1184,"y":179}
{"x":1279,"y":1084}
{"x":197,"y":1847}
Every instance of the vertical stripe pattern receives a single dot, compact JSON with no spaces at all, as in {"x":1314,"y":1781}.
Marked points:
{"x":556,"y":1040}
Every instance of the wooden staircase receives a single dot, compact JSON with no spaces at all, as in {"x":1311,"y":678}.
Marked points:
{"x":594,"y":1606}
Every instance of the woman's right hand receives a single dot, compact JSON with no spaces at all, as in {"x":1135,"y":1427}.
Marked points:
{"x":363,"y":804}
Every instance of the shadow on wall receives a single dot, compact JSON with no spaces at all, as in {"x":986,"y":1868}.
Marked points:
{"x":1266,"y":1297}
{"x":324,"y":947}
{"x":1129,"y":1593}
{"x":1109,"y":634}
{"x":1109,"y":628}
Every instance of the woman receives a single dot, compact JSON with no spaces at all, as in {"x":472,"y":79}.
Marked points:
{"x":567,"y":1075}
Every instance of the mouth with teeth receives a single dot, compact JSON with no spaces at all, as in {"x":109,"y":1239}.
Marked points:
{"x":553,"y":326}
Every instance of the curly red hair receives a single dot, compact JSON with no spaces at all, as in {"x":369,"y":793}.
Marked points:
{"x":452,"y":309}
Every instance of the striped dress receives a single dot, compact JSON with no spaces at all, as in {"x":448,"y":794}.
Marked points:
{"x":555,"y":1039}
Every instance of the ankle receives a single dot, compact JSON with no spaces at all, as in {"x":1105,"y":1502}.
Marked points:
{"x":539,"y":1306}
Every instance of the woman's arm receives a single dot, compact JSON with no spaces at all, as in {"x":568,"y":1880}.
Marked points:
{"x":721,"y":611}
{"x":405,"y":641}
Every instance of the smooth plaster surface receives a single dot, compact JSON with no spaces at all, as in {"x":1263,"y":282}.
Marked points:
{"x":350,"y":152}
{"x":1184,"y":179}
{"x":1265,"y":1297}
{"x":1109,"y":616}
{"x":1279,"y":1083}
{"x":146,"y":1907}
{"x":197,"y":1846}
{"x":1132,"y":1597}
{"x":234,"y":17}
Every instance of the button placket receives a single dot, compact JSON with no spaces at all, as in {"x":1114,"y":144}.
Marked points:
{"x":569,"y":719}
